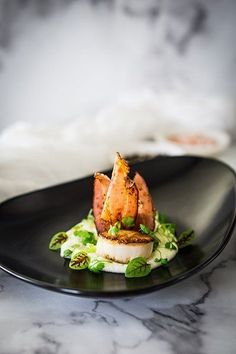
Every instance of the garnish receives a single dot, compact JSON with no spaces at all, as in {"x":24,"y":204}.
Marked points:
{"x":167,"y":228}
{"x":79,"y":261}
{"x":162,"y":218}
{"x":155,"y":245}
{"x":90,"y":248}
{"x":128,"y":221}
{"x":170,"y":245}
{"x":145,"y":230}
{"x":185,"y":238}
{"x":90,"y":214}
{"x":67,"y":253}
{"x":86,"y":224}
{"x":137,"y":267}
{"x":96,"y":266}
{"x":57,"y":240}
{"x":86,"y":236}
{"x":163,"y":261}
{"x":114,"y":229}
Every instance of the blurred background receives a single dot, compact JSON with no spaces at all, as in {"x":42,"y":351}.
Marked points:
{"x":82,"y":79}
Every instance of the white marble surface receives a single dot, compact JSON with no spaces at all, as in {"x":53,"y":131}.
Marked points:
{"x":195,"y":316}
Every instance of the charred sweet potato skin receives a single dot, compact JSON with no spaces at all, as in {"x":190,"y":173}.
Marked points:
{"x":122,"y":195}
{"x":101,"y":184}
{"x":131,"y":200}
{"x":146,"y":211}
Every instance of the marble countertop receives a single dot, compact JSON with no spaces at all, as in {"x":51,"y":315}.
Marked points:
{"x":195,"y":316}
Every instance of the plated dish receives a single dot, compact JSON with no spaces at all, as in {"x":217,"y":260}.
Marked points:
{"x":124,"y":233}
{"x":197,"y":193}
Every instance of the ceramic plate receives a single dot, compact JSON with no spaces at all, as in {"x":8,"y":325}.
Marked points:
{"x":194,"y":192}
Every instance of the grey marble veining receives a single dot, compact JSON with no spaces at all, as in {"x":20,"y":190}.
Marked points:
{"x":196,"y":316}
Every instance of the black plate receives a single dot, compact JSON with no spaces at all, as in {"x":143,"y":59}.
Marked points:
{"x":195,"y":192}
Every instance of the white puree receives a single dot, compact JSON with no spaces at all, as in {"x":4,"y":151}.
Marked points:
{"x":160,"y":252}
{"x":114,"y":267}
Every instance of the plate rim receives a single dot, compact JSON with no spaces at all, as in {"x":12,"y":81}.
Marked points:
{"x":126,"y":293}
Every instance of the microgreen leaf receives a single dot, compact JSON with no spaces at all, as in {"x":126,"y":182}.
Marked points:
{"x":87,"y":224}
{"x":90,"y":214}
{"x":86,"y":236}
{"x":90,"y":248}
{"x":114,"y":229}
{"x":155,"y":239}
{"x":96,"y":266}
{"x":170,"y":227}
{"x":162,"y":218}
{"x":185,"y":238}
{"x":57,"y":240}
{"x":128,"y":221}
{"x":144,"y":229}
{"x":167,"y":228}
{"x":155,"y":245}
{"x":137,"y":267}
{"x":79,"y":261}
{"x":170,"y":246}
{"x":67,"y":253}
{"x":163,"y":261}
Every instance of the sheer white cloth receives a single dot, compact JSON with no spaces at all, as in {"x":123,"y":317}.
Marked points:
{"x":34,"y":156}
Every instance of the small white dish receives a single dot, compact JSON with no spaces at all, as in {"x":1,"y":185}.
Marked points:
{"x":197,"y":142}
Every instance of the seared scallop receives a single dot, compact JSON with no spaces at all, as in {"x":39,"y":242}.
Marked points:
{"x":124,"y":246}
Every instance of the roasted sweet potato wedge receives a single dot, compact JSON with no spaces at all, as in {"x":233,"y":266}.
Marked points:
{"x":101,"y":184}
{"x":122,"y":195}
{"x":146,"y":211}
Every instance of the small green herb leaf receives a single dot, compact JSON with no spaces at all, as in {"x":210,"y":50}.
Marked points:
{"x":185,"y":238}
{"x":163,"y":261}
{"x":79,"y":261}
{"x":67,"y":253}
{"x":86,"y":236}
{"x":114,"y":229}
{"x":96,"y":266}
{"x":144,"y":229}
{"x":57,"y":240}
{"x":128,"y":221}
{"x":155,"y":239}
{"x":167,"y":228}
{"x":86,"y":224}
{"x":170,"y":246}
{"x":90,"y":214}
{"x":137,"y":267}
{"x":155,"y":245}
{"x":90,"y":248}
{"x":162,"y":218}
{"x":170,"y":227}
